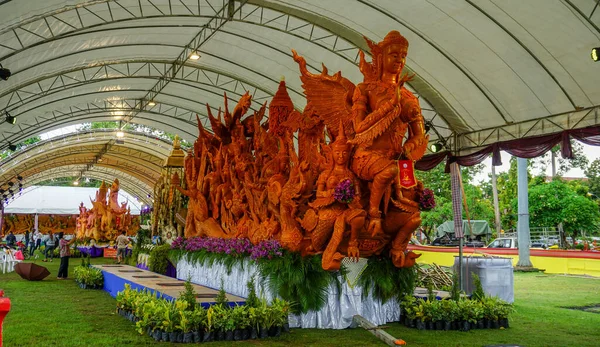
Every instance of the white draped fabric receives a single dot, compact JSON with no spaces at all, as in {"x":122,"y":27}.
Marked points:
{"x":337,"y":314}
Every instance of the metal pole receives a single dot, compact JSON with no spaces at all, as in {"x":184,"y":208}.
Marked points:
{"x":496,"y":203}
{"x":523,"y":209}
{"x":457,"y":213}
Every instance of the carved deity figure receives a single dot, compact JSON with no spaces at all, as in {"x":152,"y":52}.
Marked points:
{"x":332,"y":211}
{"x":82,"y":221}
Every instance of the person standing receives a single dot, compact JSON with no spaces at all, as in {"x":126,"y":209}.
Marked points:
{"x":11,"y":239}
{"x":122,"y":242}
{"x":50,"y":245}
{"x":36,"y":240}
{"x":65,"y":254}
{"x":26,"y":239}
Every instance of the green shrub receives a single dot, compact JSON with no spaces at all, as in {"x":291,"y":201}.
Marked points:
{"x":386,"y":280}
{"x":159,"y":259}
{"x":252,"y":300}
{"x":188,"y":295}
{"x":478,"y":293}
{"x":89,"y":276}
{"x":221,"y":299}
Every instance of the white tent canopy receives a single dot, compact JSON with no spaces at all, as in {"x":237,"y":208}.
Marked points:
{"x":60,"y":200}
{"x":485,"y":71}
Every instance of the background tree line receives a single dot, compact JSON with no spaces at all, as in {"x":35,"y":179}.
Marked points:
{"x":552,"y":200}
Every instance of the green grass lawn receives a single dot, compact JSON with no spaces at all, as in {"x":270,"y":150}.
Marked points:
{"x":57,"y":313}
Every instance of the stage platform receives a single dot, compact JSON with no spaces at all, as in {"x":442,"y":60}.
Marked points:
{"x":116,"y":276}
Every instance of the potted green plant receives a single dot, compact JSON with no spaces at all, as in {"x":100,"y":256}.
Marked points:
{"x":464,"y":309}
{"x":477,"y":313}
{"x":197,"y":320}
{"x":208,"y":324}
{"x":168,"y":322}
{"x":419,"y":311}
{"x":254,"y":320}
{"x":491,"y":312}
{"x":449,"y":310}
{"x":263,"y":313}
{"x":437,"y":315}
{"x":428,"y":307}
{"x":219,"y":321}
{"x":229,"y":324}
{"x":406,"y":304}
{"x":241,"y":323}
{"x":504,"y":310}
{"x":283,"y":314}
{"x":185,"y":326}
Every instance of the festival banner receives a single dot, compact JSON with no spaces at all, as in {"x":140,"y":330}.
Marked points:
{"x":407,"y":173}
{"x":110,"y":252}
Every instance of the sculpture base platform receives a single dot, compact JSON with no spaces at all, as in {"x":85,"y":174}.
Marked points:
{"x":341,"y":306}
{"x":116,"y":276}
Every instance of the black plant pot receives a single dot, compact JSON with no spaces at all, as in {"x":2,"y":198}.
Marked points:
{"x":165,"y":336}
{"x":253,"y":333}
{"x":220,"y":336}
{"x":229,"y":335}
{"x":275,"y":331}
{"x":420,"y":325}
{"x":504,"y":323}
{"x":208,"y":336}
{"x":188,"y":338}
{"x":286,"y":328}
{"x":157,"y":335}
{"x":465,"y":325}
{"x":495,"y":324}
{"x":173,"y":337}
{"x":487,"y":323}
{"x":246,"y":333}
{"x":179,"y":338}
{"x":480,"y":324}
{"x":237,"y":335}
{"x":455,"y":325}
{"x":149,"y":331}
{"x":263,"y":333}
{"x":439,"y":325}
{"x":447,"y":325}
{"x":197,"y":336}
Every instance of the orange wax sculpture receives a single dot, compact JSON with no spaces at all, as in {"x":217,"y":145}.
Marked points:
{"x":247,"y":179}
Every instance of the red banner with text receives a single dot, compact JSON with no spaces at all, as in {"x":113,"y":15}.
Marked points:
{"x":407,"y":173}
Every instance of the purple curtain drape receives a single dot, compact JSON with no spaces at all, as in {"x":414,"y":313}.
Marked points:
{"x":530,"y":147}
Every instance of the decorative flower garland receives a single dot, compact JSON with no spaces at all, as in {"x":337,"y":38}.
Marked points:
{"x":234,"y":247}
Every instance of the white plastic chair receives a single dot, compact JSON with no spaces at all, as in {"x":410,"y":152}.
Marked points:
{"x":4,"y":261}
{"x":10,"y":260}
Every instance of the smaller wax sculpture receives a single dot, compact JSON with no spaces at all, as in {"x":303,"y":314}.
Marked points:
{"x":107,"y":218}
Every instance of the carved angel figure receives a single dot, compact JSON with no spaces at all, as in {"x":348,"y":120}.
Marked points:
{"x":376,"y":115}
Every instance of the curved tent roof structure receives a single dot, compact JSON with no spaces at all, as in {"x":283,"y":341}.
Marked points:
{"x":94,"y":153}
{"x":486,"y":71}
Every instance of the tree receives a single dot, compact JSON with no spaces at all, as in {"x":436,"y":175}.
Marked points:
{"x":21,"y":145}
{"x":68,"y":182}
{"x":593,"y":175}
{"x":579,"y":159}
{"x":133,"y":127}
{"x":558,"y":202}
